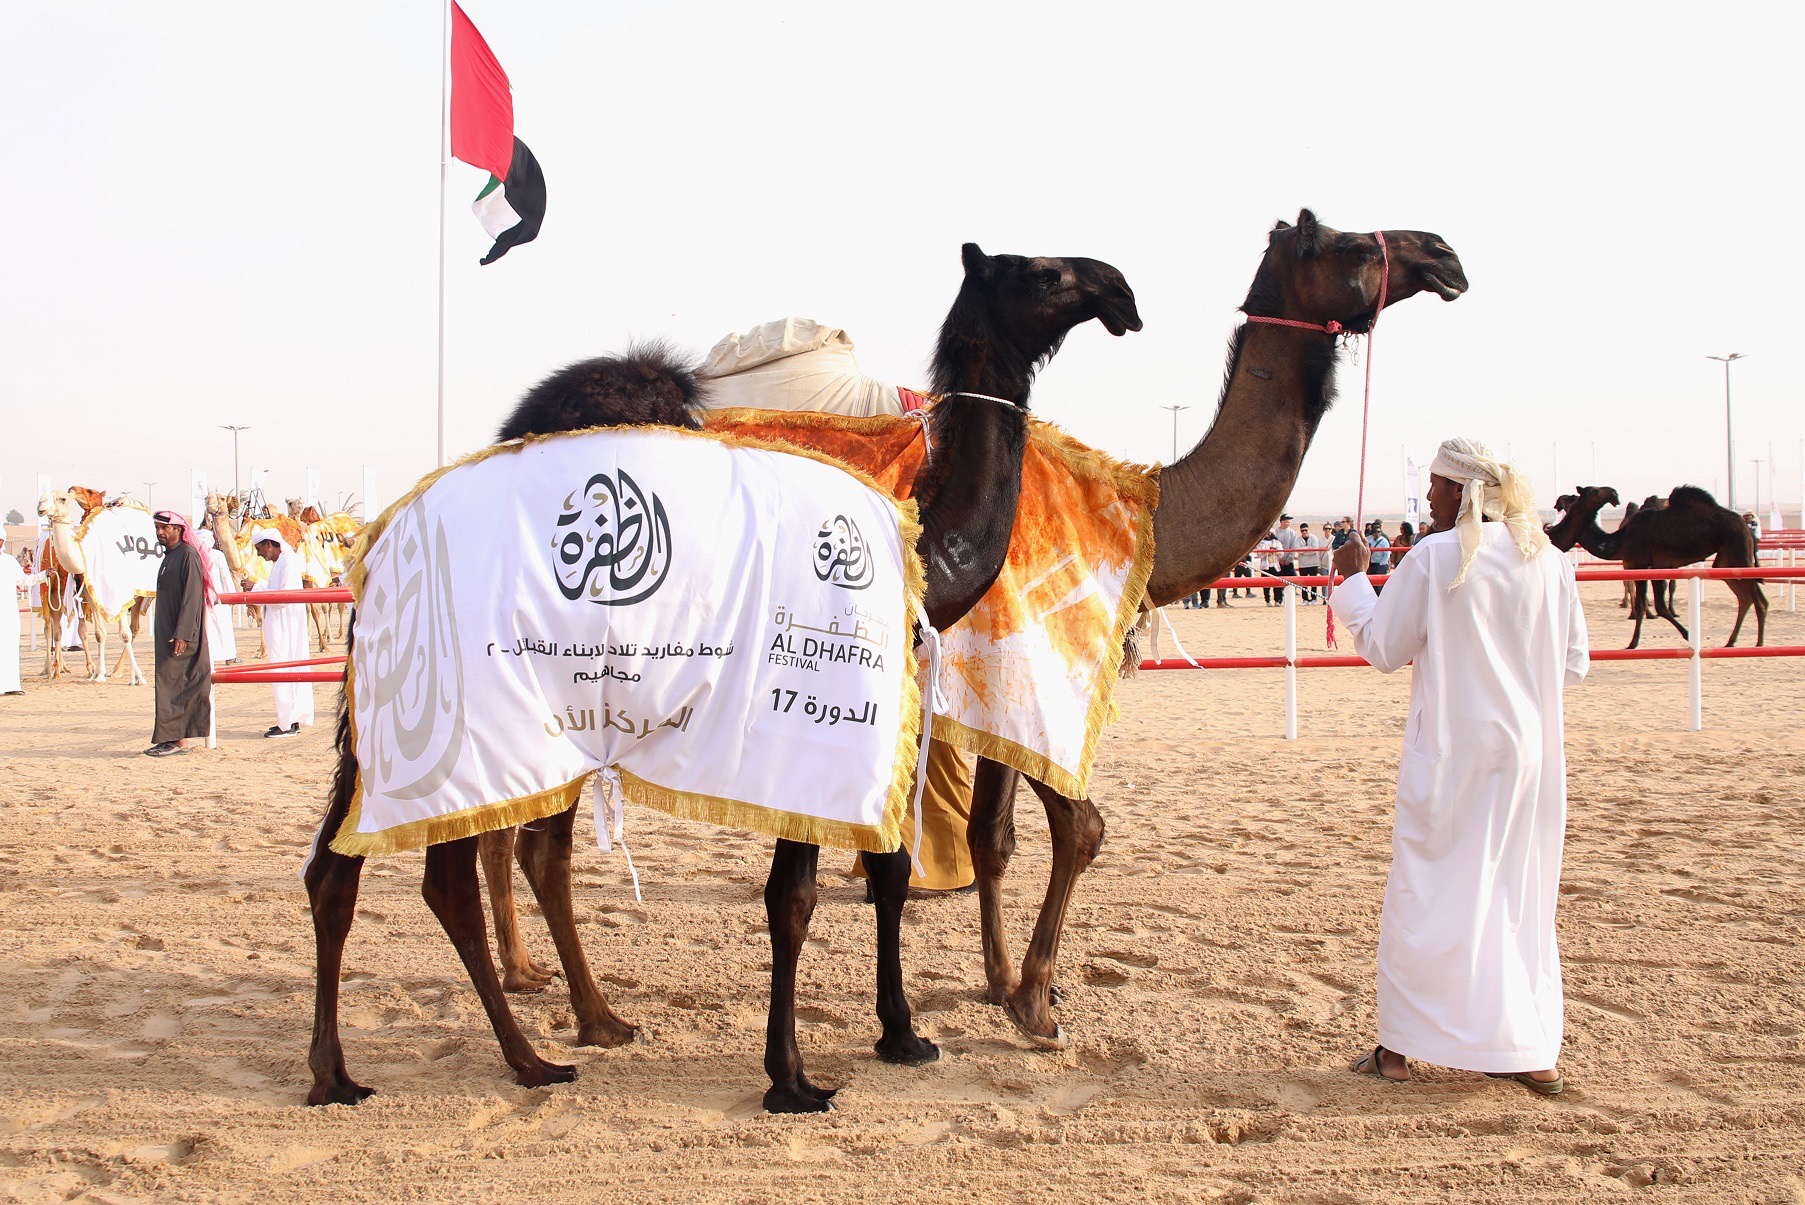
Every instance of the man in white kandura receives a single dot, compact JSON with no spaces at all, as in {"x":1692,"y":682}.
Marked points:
{"x":1469,"y":974}
{"x":11,"y":578}
{"x":222,"y":641}
{"x":284,"y":629}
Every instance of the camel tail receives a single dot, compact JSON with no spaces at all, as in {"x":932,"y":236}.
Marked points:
{"x":344,"y":771}
{"x":651,"y":385}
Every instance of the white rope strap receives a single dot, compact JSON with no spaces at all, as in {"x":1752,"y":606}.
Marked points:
{"x":609,"y":800}
{"x":982,"y":397}
{"x":932,"y":702}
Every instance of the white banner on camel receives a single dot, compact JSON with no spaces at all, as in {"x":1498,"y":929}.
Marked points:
{"x":726,"y":624}
{"x":197,"y":496}
{"x":122,"y":556}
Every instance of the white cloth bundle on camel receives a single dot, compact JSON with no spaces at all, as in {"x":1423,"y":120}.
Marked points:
{"x":797,"y":364}
{"x":725,"y":622}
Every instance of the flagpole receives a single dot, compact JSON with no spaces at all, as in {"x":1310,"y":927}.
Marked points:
{"x":444,"y":152}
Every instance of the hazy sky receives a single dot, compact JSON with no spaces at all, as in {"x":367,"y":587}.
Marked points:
{"x":225,"y":213}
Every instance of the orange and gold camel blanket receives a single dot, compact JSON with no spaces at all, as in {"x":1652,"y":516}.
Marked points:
{"x":1029,"y":675}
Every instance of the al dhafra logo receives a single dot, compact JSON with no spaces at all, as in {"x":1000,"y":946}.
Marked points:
{"x":612,"y":544}
{"x":840,"y":555}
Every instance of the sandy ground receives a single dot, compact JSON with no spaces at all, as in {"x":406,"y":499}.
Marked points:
{"x":156,"y":976}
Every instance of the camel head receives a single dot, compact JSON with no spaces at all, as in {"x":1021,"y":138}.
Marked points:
{"x":295,"y":506}
{"x":1315,"y":273}
{"x":1013,"y":312}
{"x":63,"y":506}
{"x":1579,"y":514}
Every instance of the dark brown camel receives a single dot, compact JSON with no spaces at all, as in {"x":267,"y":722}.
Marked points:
{"x":1690,"y":528}
{"x":1011,"y":315}
{"x":1215,"y":504}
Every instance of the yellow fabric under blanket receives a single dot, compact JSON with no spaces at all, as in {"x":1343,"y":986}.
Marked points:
{"x":945,"y":816}
{"x":1030,"y":673}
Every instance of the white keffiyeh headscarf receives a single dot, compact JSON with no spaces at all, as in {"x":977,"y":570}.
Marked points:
{"x":1492,"y":490}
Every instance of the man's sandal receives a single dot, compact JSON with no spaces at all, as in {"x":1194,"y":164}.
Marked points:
{"x":1541,"y":1087}
{"x":1374,"y":1065}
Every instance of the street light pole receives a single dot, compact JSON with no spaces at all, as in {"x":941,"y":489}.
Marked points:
{"x":1174,"y":410}
{"x":150,"y":499}
{"x":234,"y":431}
{"x":1729,"y":439}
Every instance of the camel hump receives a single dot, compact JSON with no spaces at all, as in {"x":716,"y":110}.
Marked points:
{"x":1690,"y":495}
{"x":649,"y":385}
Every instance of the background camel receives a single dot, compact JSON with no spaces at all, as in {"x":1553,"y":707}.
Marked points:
{"x":1011,"y":314}
{"x":1691,"y":528}
{"x":65,"y":511}
{"x":1215,"y":503}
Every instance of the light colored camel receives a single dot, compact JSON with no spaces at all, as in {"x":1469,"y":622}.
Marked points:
{"x":65,"y":511}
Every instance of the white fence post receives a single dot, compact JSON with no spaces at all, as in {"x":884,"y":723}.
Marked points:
{"x":1290,"y":599}
{"x":1697,"y":662}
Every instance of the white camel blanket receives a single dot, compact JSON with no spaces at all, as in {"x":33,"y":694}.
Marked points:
{"x":119,"y":545}
{"x":724,"y":622}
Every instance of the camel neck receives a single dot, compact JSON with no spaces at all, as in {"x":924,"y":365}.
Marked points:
{"x":1222,"y":497}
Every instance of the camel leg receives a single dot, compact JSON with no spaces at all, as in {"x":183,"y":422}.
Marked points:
{"x":128,"y":631}
{"x":96,"y":672}
{"x":1077,"y":829}
{"x":1749,"y":594}
{"x":545,"y":851}
{"x":451,"y":891}
{"x":889,"y":878}
{"x":332,"y":881}
{"x":519,"y":973}
{"x":1636,"y":609}
{"x":789,"y":904}
{"x":991,"y":839}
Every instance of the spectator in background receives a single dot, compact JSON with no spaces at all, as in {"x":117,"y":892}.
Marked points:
{"x":1266,"y":552}
{"x":1400,"y":543}
{"x":1375,"y":535}
{"x":1243,"y":568}
{"x":1288,"y":542}
{"x":1309,"y":561}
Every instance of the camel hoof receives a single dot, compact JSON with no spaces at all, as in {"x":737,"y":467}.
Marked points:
{"x":609,"y":1033}
{"x":546,"y":1074}
{"x":912,"y":1050}
{"x":523,"y":982}
{"x":1057,"y":1040}
{"x":345,"y":1092}
{"x":802,"y":1097}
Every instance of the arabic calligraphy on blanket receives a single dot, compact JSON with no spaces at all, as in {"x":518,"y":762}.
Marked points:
{"x":721,"y":621}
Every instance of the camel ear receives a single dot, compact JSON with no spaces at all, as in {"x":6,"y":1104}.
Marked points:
{"x":974,"y":259}
{"x":1309,"y":234}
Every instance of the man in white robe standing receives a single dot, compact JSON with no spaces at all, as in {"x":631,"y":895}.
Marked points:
{"x":222,"y":641}
{"x":284,"y":629}
{"x":12,"y":576}
{"x":1469,"y":974}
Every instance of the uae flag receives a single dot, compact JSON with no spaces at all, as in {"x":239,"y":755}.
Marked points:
{"x":511,"y":209}
{"x":512,"y":205}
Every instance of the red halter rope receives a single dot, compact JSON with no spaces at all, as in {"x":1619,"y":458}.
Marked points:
{"x":1332,"y":327}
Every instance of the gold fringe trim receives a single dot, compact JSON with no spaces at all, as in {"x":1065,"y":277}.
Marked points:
{"x":436,"y":830}
{"x":864,"y":424}
{"x":1137,"y":482}
{"x":470,"y":822}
